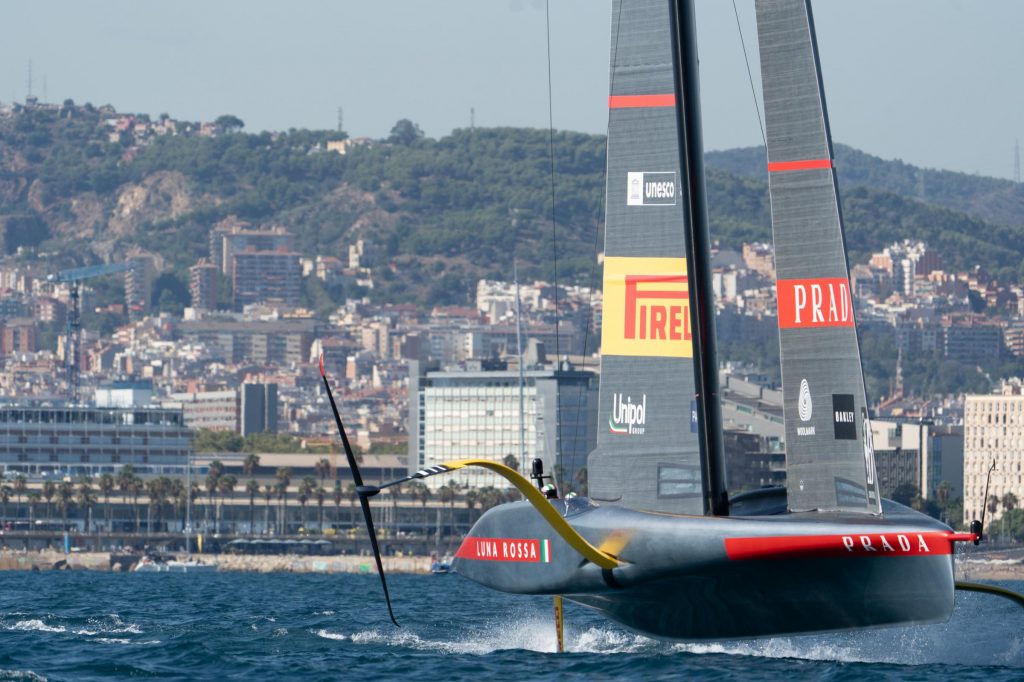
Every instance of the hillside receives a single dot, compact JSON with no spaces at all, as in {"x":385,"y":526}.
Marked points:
{"x":442,"y":213}
{"x":988,"y":199}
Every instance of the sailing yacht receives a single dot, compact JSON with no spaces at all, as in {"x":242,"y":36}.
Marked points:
{"x":658,"y":545}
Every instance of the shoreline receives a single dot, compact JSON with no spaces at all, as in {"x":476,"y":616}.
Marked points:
{"x":241,"y":563}
{"x":995,"y":565}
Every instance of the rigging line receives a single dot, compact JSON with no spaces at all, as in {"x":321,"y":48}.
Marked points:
{"x":554,"y":230}
{"x":750,"y":76}
{"x":597,"y":241}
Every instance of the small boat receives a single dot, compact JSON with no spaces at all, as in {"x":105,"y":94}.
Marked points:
{"x":152,"y":564}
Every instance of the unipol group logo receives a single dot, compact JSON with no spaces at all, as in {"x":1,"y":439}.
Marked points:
{"x":646,"y":307}
{"x":628,"y":418}
{"x":809,"y":303}
{"x":805,"y":409}
{"x":651,"y":189}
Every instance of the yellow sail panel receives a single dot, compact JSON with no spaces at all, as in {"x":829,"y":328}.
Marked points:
{"x":646,"y":308}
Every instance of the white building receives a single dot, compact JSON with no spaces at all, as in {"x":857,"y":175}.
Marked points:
{"x":475,"y":414}
{"x":993,"y":434}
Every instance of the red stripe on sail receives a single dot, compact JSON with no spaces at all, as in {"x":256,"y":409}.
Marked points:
{"x":805,"y":164}
{"x":852,"y":545}
{"x":639,"y":101}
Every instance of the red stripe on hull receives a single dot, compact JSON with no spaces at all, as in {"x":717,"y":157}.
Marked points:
{"x":853,"y":545}
{"x":640,"y":101}
{"x":805,"y":164}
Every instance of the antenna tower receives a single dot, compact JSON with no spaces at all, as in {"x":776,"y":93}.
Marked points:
{"x":29,"y":78}
{"x":472,"y":118}
{"x":341,"y":119}
{"x":1016,"y":161}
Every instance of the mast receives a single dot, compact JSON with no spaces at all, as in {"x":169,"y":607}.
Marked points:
{"x":691,"y":160}
{"x":188,"y":506}
{"x":522,"y":381}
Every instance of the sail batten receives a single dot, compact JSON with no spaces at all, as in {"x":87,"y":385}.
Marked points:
{"x":829,"y":454}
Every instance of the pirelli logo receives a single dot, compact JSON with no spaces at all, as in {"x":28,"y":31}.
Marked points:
{"x":646,"y":308}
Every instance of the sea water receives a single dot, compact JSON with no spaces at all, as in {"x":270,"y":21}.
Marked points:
{"x":90,"y":626}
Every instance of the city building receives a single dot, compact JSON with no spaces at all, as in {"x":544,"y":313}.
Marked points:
{"x":920,"y":455}
{"x":476,"y":414}
{"x":993,"y":437}
{"x":126,"y":393}
{"x":234,"y":238}
{"x":258,"y":411}
{"x":273,"y":342}
{"x":213,"y":410}
{"x":266,"y":277}
{"x":86,"y":441}
{"x":202,"y":284}
{"x":18,"y":335}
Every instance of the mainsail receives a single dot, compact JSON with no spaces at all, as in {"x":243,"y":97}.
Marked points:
{"x":829,"y":457}
{"x":649,"y":454}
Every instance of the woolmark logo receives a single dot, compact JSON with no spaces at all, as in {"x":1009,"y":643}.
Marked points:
{"x":650,"y":189}
{"x":804,"y":408}
{"x":646,"y":307}
{"x":628,"y":418}
{"x":810,"y":303}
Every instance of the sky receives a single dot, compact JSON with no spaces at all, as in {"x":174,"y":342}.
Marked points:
{"x":935,"y":83}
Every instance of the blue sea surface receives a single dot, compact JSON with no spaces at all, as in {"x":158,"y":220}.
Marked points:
{"x":93,"y":626}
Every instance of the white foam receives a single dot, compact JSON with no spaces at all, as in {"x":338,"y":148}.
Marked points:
{"x":330,"y":635}
{"x":36,"y":625}
{"x":21,"y":675}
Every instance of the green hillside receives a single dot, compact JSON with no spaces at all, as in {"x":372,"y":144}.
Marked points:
{"x":442,"y":213}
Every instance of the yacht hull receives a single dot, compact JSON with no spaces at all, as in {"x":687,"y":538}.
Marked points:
{"x":699,"y":578}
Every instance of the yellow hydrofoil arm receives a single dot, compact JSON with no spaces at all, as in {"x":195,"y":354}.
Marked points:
{"x":534,"y":496}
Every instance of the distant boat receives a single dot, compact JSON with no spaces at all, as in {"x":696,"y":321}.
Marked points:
{"x":151,"y":564}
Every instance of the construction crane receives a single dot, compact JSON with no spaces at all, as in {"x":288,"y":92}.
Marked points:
{"x":73,"y":332}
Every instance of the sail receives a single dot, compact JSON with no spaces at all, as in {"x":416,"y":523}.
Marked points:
{"x":648,"y":450}
{"x":829,"y":457}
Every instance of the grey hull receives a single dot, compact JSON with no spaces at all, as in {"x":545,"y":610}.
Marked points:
{"x":694,"y":577}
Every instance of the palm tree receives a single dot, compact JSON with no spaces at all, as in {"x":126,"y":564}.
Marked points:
{"x":49,"y":492}
{"x":268,"y":495}
{"x":124,"y":479}
{"x":419,"y":491}
{"x":253,"y":489}
{"x":993,"y":504}
{"x":226,"y":487}
{"x":1009,"y":502}
{"x":86,"y":500}
{"x":179,"y":498}
{"x":284,"y":477}
{"x":65,"y":496}
{"x":212,"y":481}
{"x":5,"y":497}
{"x":282,"y":500}
{"x":306,"y":489}
{"x":337,"y":496}
{"x":106,"y":486}
{"x":135,"y":488}
{"x":20,"y":488}
{"x":447,"y":494}
{"x":320,"y":494}
{"x":252,"y":462}
{"x":323,"y":469}
{"x":350,"y":489}
{"x":33,"y":500}
{"x":472,"y":497}
{"x":154,"y":490}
